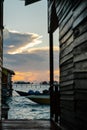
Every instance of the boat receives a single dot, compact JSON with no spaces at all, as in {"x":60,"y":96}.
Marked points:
{"x":31,"y":92}
{"x":40,"y":99}
{"x":37,"y":97}
{"x":21,"y":93}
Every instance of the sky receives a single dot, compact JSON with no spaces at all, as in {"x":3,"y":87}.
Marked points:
{"x":26,"y":41}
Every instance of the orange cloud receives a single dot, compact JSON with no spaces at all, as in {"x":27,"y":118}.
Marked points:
{"x":31,"y":76}
{"x":22,"y":76}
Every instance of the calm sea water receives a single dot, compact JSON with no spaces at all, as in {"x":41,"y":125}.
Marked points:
{"x":23,"y":108}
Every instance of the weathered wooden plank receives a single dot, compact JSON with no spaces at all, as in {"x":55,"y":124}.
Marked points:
{"x":67,"y":63}
{"x":81,"y":74}
{"x":81,"y":66}
{"x":28,"y":124}
{"x":66,"y":72}
{"x":67,"y":66}
{"x":63,"y":7}
{"x":22,"y":129}
{"x":66,"y":37}
{"x":70,"y":98}
{"x":66,"y":28}
{"x":65,"y":12}
{"x":80,"y":57}
{"x":67,"y":43}
{"x":62,"y":4}
{"x":80,"y":49}
{"x":82,"y":28}
{"x":79,"y":9}
{"x":66,"y":58}
{"x":66,"y":83}
{"x":78,"y":20}
{"x":58,"y":6}
{"x":67,"y":77}
{"x":68,"y":93}
{"x":76,"y":3}
{"x":69,"y":15}
{"x":66,"y":51}
{"x":81,"y":39}
{"x":66,"y":88}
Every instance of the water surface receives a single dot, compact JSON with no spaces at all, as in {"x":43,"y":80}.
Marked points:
{"x":23,"y":108}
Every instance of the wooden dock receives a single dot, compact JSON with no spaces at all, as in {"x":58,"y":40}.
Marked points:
{"x":28,"y":124}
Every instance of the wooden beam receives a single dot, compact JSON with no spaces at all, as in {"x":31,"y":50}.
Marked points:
{"x":27,"y":2}
{"x":51,"y":72}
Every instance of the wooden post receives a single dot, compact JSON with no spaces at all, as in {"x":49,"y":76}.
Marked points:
{"x":1,"y":44}
{"x":51,"y":72}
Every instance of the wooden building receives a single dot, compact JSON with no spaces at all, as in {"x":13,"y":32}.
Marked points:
{"x":7,"y":81}
{"x":1,"y":41}
{"x":71,"y":18}
{"x":6,"y":91}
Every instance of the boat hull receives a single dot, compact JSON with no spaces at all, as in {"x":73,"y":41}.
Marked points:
{"x":22,"y":93}
{"x":40,"y":99}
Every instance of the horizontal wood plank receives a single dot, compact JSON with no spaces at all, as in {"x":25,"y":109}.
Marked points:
{"x":79,"y":9}
{"x":82,"y":16}
{"x":81,"y":39}
{"x":82,"y":28}
{"x":80,"y":57}
{"x":66,"y":37}
{"x":66,"y":58}
{"x":66,"y":88}
{"x":66,"y":51}
{"x":66,"y":28}
{"x":27,"y":124}
{"x":81,"y":66}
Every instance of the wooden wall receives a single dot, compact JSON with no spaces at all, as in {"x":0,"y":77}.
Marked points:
{"x":72,"y":18}
{"x":1,"y":39}
{"x":80,"y":62}
{"x":65,"y":16}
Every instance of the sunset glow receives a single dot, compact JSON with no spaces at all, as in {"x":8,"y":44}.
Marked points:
{"x":26,"y":42}
{"x":31,"y":76}
{"x":34,"y":77}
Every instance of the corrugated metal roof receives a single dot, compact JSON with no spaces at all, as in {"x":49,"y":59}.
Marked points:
{"x":27,"y":2}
